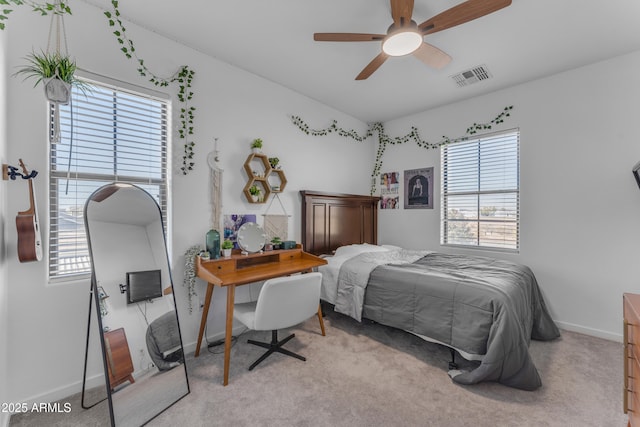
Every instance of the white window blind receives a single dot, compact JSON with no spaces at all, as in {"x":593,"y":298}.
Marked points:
{"x":107,"y":134}
{"x":481,"y":192}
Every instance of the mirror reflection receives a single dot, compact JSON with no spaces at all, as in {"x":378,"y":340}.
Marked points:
{"x":141,"y":342}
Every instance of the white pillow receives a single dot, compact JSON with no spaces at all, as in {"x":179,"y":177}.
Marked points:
{"x":356,"y":249}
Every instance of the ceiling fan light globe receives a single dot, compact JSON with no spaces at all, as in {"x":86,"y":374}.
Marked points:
{"x":401,"y":43}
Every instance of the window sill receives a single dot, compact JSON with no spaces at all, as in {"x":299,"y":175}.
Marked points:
{"x":77,"y":279}
{"x":481,"y":248}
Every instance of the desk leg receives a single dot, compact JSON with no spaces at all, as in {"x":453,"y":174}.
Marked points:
{"x":320,"y":319}
{"x":231,"y":290}
{"x":205,"y":314}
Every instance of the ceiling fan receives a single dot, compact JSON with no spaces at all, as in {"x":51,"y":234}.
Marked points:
{"x":404,"y":36}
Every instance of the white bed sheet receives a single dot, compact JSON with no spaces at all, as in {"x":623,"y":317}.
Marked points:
{"x":330,"y":271}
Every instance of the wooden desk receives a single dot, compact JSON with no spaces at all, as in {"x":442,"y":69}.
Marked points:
{"x":241,"y":270}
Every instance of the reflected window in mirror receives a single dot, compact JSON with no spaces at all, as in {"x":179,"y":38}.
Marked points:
{"x":107,"y":133}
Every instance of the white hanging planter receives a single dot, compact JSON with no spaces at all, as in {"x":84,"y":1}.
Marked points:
{"x":54,"y":68}
{"x":57,"y":91}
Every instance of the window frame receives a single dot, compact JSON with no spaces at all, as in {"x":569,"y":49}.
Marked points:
{"x":478,"y":220}
{"x":57,"y":177}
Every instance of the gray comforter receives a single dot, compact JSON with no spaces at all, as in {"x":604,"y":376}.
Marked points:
{"x":478,"y":305}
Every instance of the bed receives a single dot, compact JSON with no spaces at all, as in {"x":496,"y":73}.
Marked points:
{"x":486,"y":309}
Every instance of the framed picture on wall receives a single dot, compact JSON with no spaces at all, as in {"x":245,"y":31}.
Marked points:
{"x":232,"y":224}
{"x":389,"y":190}
{"x":418,"y":188}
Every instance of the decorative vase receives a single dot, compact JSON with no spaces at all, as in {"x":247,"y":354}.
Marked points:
{"x":226,"y":253}
{"x":213,"y":244}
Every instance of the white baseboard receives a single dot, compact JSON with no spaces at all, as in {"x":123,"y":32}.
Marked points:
{"x":589,"y":331}
{"x":65,"y":391}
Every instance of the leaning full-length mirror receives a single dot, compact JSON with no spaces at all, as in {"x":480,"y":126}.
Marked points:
{"x":141,"y":342}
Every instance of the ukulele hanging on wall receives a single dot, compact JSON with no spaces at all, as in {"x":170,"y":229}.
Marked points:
{"x":29,"y":241}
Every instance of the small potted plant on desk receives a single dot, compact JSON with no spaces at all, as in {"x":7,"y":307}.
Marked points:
{"x":276,"y":242}
{"x":227,"y":246}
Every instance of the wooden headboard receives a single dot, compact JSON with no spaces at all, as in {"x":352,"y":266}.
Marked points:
{"x":330,"y":220}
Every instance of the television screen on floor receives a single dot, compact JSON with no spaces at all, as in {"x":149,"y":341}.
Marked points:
{"x":143,"y":285}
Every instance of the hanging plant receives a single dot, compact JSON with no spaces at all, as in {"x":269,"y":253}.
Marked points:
{"x":183,"y":77}
{"x":53,"y":67}
{"x":384,"y":139}
{"x":57,"y":73}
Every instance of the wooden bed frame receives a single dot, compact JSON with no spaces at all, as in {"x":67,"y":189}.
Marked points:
{"x":331,"y":220}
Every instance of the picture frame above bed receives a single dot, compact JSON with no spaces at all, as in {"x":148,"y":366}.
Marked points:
{"x":418,"y":188}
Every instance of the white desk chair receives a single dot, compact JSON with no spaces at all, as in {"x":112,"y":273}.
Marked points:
{"x":283,"y":302}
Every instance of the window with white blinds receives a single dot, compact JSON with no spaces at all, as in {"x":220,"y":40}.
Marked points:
{"x":107,"y":134}
{"x":481,"y":192}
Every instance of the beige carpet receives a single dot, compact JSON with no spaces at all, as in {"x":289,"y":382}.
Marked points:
{"x":371,"y":375}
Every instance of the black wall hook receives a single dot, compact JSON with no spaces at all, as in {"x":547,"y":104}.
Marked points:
{"x":12,"y":173}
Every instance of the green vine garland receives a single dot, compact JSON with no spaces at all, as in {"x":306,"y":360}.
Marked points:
{"x":384,"y":139}
{"x":184,"y":77}
{"x":57,"y":8}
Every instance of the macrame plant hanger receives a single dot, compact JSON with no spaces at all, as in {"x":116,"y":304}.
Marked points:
{"x":276,"y":225}
{"x":57,"y":91}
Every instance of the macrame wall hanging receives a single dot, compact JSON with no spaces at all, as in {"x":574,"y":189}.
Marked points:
{"x":276,"y":225}
{"x":213,"y":160}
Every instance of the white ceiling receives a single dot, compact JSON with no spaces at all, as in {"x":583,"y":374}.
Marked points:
{"x":274,"y":39}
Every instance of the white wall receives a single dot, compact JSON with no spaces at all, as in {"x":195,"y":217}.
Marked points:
{"x":580,"y":206}
{"x":4,"y":305}
{"x":47,"y":333}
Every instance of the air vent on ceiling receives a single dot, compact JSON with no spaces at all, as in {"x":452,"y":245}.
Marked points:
{"x":472,"y":76}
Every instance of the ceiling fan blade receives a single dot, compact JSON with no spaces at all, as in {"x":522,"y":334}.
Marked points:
{"x":464,"y":12}
{"x":347,"y":37}
{"x":401,"y":11}
{"x":432,"y":56}
{"x":372,"y":66}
